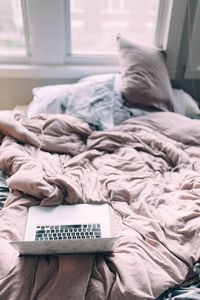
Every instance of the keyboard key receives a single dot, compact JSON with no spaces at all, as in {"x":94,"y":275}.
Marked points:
{"x":97,"y":236}
{"x":40,"y":231}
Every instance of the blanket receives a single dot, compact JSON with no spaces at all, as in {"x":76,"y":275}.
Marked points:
{"x":147,"y":169}
{"x":4,"y":190}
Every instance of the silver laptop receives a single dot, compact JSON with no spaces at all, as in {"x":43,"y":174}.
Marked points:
{"x":78,"y":228}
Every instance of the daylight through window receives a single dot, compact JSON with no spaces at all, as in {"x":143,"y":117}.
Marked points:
{"x":95,"y":24}
{"x":12,"y":40}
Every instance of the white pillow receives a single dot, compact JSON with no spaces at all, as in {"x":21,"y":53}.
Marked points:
{"x":43,"y":96}
{"x":185,"y":104}
{"x":95,"y":101}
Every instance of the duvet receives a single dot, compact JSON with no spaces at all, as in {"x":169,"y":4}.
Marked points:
{"x":147,"y":169}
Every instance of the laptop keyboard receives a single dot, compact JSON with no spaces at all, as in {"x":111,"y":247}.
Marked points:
{"x":68,"y":232}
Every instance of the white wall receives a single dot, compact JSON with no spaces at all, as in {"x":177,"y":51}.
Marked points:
{"x":18,"y":91}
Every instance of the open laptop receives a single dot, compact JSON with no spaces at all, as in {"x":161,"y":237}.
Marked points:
{"x":78,"y":228}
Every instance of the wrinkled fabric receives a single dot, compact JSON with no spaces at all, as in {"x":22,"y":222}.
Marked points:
{"x":4,"y":190}
{"x":186,"y":290}
{"x":148,"y":171}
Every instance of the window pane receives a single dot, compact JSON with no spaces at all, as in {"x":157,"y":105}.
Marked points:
{"x":95,"y":24}
{"x":12,"y":40}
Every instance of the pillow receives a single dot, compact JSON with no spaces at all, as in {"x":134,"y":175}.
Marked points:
{"x":56,"y":98}
{"x":94,"y":99}
{"x":144,"y":78}
{"x":44,"y":96}
{"x":185,"y":104}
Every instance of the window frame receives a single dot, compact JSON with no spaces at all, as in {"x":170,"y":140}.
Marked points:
{"x":38,"y":39}
{"x":104,"y":59}
{"x":45,"y":59}
{"x":193,"y":62}
{"x":174,"y":37}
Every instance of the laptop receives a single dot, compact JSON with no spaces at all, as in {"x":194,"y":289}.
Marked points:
{"x":78,"y":228}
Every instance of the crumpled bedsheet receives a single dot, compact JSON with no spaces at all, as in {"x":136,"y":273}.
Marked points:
{"x":147,"y":169}
{"x":4,"y":190}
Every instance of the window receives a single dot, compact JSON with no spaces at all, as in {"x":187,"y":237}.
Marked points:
{"x":12,"y":39}
{"x":95,"y":24}
{"x":66,"y":35}
{"x":81,"y":27}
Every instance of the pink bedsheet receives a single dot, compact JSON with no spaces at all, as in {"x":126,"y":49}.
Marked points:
{"x":147,"y":169}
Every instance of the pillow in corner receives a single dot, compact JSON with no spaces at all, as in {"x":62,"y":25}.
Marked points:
{"x":144,"y":78}
{"x":185,"y":104}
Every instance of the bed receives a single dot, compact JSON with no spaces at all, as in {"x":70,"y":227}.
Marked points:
{"x":123,"y":139}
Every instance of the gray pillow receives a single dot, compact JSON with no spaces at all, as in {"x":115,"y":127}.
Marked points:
{"x":144,"y":78}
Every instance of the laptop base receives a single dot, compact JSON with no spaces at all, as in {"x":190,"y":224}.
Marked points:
{"x":64,"y":246}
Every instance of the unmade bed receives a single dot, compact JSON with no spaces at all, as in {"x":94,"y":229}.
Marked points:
{"x":94,"y":142}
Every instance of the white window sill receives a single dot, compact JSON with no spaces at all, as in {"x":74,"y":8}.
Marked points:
{"x":71,"y":71}
{"x":53,"y":71}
